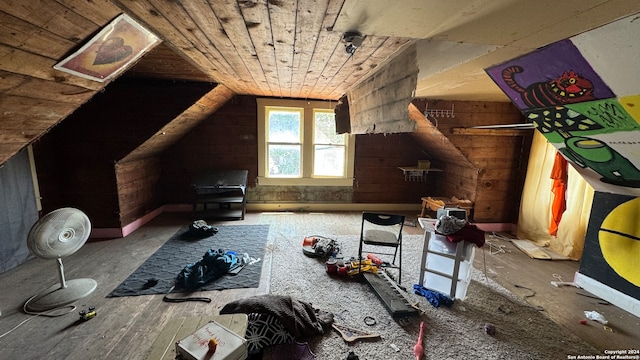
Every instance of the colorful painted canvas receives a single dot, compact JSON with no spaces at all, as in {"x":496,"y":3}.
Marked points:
{"x":568,"y":92}
{"x":551,"y":76}
{"x":612,"y":247}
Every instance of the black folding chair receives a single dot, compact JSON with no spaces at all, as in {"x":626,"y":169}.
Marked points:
{"x":382,"y":230}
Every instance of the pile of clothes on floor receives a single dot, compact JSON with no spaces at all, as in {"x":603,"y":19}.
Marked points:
{"x":275,"y":322}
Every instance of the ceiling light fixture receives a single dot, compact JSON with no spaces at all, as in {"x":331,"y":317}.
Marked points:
{"x":353,"y":40}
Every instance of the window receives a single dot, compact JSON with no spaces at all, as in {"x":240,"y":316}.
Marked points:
{"x":284,"y":141}
{"x":329,"y":148}
{"x":299,"y":144}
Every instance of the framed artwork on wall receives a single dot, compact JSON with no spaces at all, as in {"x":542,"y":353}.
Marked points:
{"x":116,"y":47}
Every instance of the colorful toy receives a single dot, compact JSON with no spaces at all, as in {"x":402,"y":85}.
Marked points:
{"x":213,"y":345}
{"x":350,"y":266}
{"x":364,"y":265}
{"x":418,"y":349}
{"x":319,"y":246}
{"x":350,"y":334}
{"x":87,"y":315}
{"x":489,"y":329}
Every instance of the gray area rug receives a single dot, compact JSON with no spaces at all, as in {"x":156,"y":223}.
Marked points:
{"x":183,"y":249}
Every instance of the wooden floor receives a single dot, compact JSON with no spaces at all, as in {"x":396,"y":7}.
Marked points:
{"x":125,"y":328}
{"x":531,"y":279}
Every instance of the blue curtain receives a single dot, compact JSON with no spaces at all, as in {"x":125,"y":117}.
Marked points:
{"x":18,"y":210}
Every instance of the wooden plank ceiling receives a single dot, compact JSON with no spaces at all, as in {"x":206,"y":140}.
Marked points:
{"x":277,"y":48}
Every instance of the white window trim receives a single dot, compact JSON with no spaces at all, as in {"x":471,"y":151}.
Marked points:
{"x":307,"y":161}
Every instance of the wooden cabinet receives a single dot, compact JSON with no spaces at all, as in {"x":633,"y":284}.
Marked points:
{"x":220,"y":194}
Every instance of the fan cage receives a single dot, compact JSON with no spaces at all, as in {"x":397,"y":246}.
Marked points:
{"x":59,"y":233}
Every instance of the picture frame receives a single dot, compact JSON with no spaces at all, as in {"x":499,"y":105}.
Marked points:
{"x":110,"y":52}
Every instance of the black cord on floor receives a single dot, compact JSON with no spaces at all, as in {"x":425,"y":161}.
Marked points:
{"x":533,"y":293}
{"x":168,"y":299}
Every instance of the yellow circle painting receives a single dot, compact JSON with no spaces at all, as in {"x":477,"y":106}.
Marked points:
{"x":620,"y":240}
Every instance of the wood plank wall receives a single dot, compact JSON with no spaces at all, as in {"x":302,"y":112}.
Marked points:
{"x":378,"y":178}
{"x":76,"y":160}
{"x":138,"y":187}
{"x":228,"y":141}
{"x":499,"y":160}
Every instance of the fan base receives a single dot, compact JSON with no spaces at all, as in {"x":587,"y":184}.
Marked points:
{"x":56,"y":296}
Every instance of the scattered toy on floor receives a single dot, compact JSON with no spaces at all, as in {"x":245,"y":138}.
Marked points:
{"x":489,"y":329}
{"x":213,"y":345}
{"x":319,"y":246}
{"x":350,"y":266}
{"x":418,"y":349}
{"x":87,"y":315}
{"x":351,"y":334}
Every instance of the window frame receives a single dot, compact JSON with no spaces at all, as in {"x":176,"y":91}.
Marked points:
{"x":307,"y":178}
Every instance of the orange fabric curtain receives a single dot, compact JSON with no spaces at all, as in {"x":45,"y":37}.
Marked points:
{"x":559,"y":174}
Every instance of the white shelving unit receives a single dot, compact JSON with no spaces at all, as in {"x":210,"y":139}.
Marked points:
{"x":412,"y":173}
{"x":445,"y":266}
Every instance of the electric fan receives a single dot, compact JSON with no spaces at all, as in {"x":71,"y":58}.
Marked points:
{"x":58,"y":234}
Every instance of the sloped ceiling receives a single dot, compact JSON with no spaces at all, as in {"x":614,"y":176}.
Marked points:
{"x":467,"y":36}
{"x":276,"y":48}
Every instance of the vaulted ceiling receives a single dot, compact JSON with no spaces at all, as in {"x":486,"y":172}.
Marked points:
{"x":279,"y":48}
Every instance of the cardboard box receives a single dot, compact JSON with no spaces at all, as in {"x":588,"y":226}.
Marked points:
{"x":231,"y":346}
{"x":424,"y":164}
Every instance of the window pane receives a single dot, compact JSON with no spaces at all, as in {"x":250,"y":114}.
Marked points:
{"x":284,"y":160}
{"x":325,"y":129}
{"x":328,"y":160}
{"x":284,"y":126}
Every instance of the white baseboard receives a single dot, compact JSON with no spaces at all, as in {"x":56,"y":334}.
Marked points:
{"x":617,"y":298}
